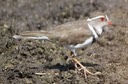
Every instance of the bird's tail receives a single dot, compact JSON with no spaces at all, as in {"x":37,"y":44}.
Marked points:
{"x":31,"y":37}
{"x":17,"y":37}
{"x":37,"y":35}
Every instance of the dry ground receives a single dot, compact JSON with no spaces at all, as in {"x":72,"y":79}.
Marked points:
{"x":19,"y":60}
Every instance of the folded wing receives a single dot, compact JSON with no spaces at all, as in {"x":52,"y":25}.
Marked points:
{"x":68,"y":33}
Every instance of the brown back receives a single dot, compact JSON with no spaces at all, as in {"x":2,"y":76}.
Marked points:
{"x":68,"y":33}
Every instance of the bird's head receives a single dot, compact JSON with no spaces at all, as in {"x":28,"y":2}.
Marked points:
{"x":99,"y":23}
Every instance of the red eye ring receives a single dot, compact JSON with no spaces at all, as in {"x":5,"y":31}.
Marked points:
{"x":102,"y":19}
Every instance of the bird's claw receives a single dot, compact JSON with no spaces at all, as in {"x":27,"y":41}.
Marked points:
{"x":82,"y":69}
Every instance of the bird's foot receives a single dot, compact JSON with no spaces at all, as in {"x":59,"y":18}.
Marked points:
{"x":82,"y":69}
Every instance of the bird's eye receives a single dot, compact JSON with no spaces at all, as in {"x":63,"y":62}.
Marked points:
{"x":102,"y":19}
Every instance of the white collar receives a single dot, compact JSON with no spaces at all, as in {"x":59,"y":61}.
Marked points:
{"x":95,"y":18}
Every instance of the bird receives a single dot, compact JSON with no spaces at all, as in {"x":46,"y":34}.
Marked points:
{"x":72,"y":35}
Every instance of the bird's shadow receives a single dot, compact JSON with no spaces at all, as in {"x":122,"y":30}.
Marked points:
{"x":69,"y":66}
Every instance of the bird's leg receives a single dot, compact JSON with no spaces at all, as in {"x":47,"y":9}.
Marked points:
{"x":81,"y":68}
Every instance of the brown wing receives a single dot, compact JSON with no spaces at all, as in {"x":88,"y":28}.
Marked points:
{"x":72,"y":32}
{"x":68,"y":33}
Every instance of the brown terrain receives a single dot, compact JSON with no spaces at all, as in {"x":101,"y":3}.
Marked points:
{"x":20,"y":59}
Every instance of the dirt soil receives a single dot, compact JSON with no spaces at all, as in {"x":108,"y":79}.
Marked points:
{"x":20,"y":59}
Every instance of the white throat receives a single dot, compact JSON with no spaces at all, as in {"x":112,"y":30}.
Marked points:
{"x":93,"y":31}
{"x":98,"y":30}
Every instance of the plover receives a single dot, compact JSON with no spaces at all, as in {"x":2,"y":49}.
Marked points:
{"x":72,"y":35}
